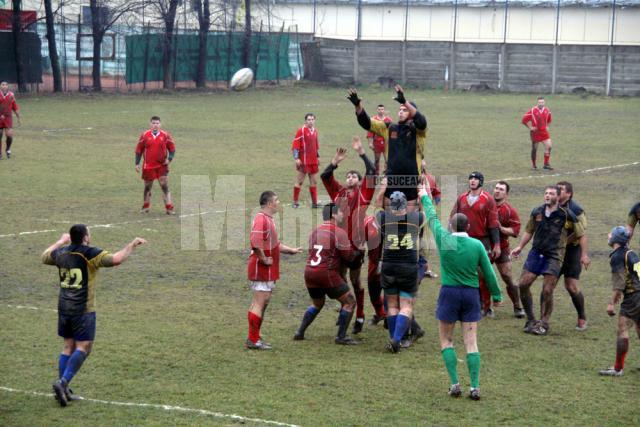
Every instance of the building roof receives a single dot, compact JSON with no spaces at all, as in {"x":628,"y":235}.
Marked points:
{"x":478,"y":3}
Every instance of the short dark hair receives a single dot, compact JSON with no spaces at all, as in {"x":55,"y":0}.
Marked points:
{"x":328,"y":211}
{"x":355,"y":172}
{"x":306,"y":116}
{"x":266,"y":197}
{"x":567,"y":186}
{"x":540,"y":97}
{"x":380,"y":105}
{"x":459,"y":222}
{"x":506,"y":184}
{"x":154,"y":118}
{"x":555,"y":187}
{"x":77,"y":233}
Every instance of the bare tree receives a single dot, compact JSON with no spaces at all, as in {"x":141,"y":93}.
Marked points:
{"x":16,"y":29}
{"x":246,"y":48}
{"x":167,"y":11}
{"x":53,"y":49}
{"x":203,"y":11}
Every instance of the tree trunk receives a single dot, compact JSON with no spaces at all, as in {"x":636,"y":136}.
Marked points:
{"x":53,"y":50}
{"x":246,"y":50}
{"x":204,"y":19}
{"x":16,"y":28}
{"x":97,"y":34}
{"x":167,"y":45}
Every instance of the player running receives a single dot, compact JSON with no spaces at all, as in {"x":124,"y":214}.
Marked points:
{"x":404,"y":145}
{"x":537,"y":120}
{"x":549,"y":225}
{"x":306,"y":154}
{"x":352,"y":199}
{"x":8,"y":107}
{"x":329,"y":247}
{"x":157,"y":148}
{"x":78,"y":265}
{"x":263,"y":268}
{"x":376,"y":142}
{"x":625,"y":269}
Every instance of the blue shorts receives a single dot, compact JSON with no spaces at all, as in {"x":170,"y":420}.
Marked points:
{"x":538,"y":264}
{"x":81,"y":327}
{"x":458,"y":303}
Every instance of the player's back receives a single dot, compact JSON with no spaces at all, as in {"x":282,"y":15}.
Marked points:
{"x":400,"y":234}
{"x":328,"y":244}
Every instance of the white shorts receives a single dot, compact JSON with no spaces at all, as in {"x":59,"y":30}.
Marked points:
{"x":263,"y":286}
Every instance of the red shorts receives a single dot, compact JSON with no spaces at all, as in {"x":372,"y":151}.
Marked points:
{"x":315,"y":278}
{"x":378,"y":145}
{"x":540,"y":135}
{"x":155,"y":173}
{"x":6,"y":122}
{"x":308,"y":169}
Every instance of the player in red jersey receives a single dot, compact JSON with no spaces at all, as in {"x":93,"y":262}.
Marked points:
{"x":263,"y":268}
{"x":158,"y":149}
{"x":480,"y":209}
{"x":376,"y":142}
{"x":352,"y":198}
{"x":374,"y":253}
{"x":329,"y":247}
{"x":8,"y":107}
{"x":537,"y":120}
{"x":306,"y":154}
{"x":509,"y":227}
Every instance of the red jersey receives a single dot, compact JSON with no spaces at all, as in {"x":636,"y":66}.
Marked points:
{"x":7,"y":106}
{"x":264,"y":236}
{"x":306,"y":142}
{"x":435,"y":190}
{"x":378,"y":141}
{"x":353,"y":204}
{"x":154,"y":148}
{"x":482,"y":214}
{"x":540,"y":119}
{"x":508,"y":217}
{"x":328,"y":246}
{"x":374,"y":248}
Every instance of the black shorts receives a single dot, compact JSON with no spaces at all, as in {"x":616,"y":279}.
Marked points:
{"x":333,"y":293}
{"x":399,"y":278}
{"x":571,"y":267}
{"x":80,"y":327}
{"x":630,"y":307}
{"x":356,"y":263}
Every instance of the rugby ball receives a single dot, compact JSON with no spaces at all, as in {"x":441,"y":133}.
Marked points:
{"x":241,"y":79}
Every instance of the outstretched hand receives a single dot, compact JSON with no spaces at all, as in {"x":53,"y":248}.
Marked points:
{"x":399,"y":95}
{"x":356,"y":144}
{"x":352,"y":95}
{"x":341,"y":154}
{"x":138,"y":241}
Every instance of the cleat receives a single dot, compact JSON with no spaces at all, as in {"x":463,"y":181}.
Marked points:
{"x":540,"y":329}
{"x":258,"y":345}
{"x":376,"y":319}
{"x":8,"y":154}
{"x":392,"y":346}
{"x":519,"y":313}
{"x":70,"y":396}
{"x":298,"y":336}
{"x":316,"y":205}
{"x":415,"y":336}
{"x":529,"y":326}
{"x":346,"y":340}
{"x":534,"y":167}
{"x":547,"y":167}
{"x":474,"y":394}
{"x":430,"y":274}
{"x":611,"y":372}
{"x":357,"y":326}
{"x":489,"y":313}
{"x":60,"y":391}
{"x":581,"y":326}
{"x":455,"y":390}
{"x":406,"y":342}
{"x":144,"y":210}
{"x":295,"y":205}
{"x":171,"y":212}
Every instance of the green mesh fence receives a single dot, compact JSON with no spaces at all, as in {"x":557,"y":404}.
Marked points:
{"x":268,"y":59}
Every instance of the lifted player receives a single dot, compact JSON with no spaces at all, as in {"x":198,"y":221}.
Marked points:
{"x":329,"y":247}
{"x":157,"y":148}
{"x":625,"y":269}
{"x":8,"y":107}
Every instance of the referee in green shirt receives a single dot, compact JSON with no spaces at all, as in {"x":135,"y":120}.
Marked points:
{"x":459,"y":299}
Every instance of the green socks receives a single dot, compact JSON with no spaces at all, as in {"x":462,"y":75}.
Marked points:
{"x":451,"y":362}
{"x":473,"y":361}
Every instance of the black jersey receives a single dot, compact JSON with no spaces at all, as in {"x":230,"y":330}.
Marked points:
{"x":400,"y":236}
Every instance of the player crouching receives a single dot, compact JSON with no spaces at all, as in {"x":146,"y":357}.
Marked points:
{"x":625,"y":268}
{"x":329,"y":247}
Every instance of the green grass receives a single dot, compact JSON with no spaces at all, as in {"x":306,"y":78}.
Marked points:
{"x":171,"y":322}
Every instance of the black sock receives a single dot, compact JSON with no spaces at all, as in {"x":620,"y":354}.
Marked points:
{"x":9,"y":142}
{"x":578,"y":303}
{"x":527,"y":304}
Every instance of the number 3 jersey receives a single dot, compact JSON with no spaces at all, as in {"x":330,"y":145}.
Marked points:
{"x":400,"y":236}
{"x":77,"y":267}
{"x":328,"y":247}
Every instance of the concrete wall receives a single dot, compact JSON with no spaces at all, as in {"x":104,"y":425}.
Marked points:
{"x":508,"y":67}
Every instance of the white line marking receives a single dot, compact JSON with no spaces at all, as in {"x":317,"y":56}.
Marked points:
{"x":64,"y":129}
{"x":29,"y":307}
{"x":157,"y":406}
{"x":140,"y":221}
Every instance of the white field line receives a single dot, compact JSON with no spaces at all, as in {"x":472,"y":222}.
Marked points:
{"x":140,"y":221}
{"x":29,"y":307}
{"x":170,"y":408}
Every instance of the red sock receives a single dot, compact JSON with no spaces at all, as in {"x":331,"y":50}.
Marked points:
{"x":379,"y":307}
{"x":622,"y":346}
{"x":169,"y":207}
{"x":146,"y":205}
{"x":296,"y":194}
{"x":547,"y":156}
{"x":359,"y":303}
{"x":254,"y":326}
{"x":485,"y":296}
{"x":314,"y":194}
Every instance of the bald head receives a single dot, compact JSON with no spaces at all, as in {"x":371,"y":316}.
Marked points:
{"x":459,"y":223}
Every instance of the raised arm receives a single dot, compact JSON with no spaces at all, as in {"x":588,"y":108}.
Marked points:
{"x":124,"y":253}
{"x":65,"y":239}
